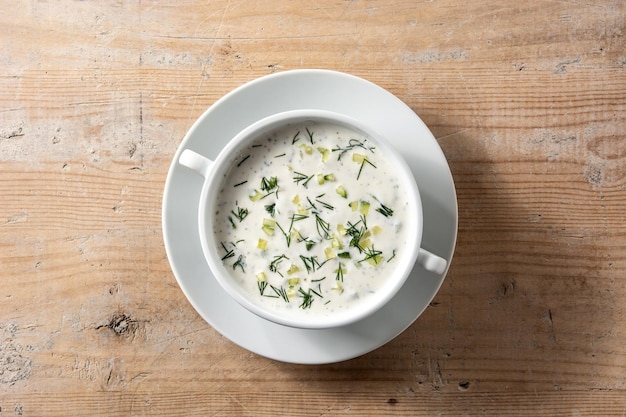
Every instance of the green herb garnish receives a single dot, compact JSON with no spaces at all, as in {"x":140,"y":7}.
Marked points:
{"x":318,"y":292}
{"x":324,"y":204}
{"x":243,"y":160}
{"x":363,"y":162}
{"x":384,"y":210}
{"x":299,"y":177}
{"x":339,"y":276}
{"x":323,"y":227}
{"x":307,"y":298}
{"x":241,"y":213}
{"x":352,"y":144}
{"x":311,"y":203}
{"x":308,"y":243}
{"x":271,"y":209}
{"x":295,"y":137}
{"x":356,"y":232}
{"x":372,"y":255}
{"x":275,"y":262}
{"x":311,"y":263}
{"x":310,"y":135}
{"x":296,"y":218}
{"x":229,"y":253}
{"x":280,"y":292}
{"x":287,"y":233}
{"x":239,"y":263}
{"x":269,"y":185}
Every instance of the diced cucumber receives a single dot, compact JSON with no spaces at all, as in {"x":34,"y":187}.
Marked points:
{"x":269,"y":226}
{"x":364,"y":207}
{"x":256,"y":196}
{"x":325,"y":153}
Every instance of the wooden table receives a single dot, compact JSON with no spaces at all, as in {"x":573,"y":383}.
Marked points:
{"x":526,"y":99}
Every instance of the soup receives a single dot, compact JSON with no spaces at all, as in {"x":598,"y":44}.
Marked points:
{"x":310,"y":219}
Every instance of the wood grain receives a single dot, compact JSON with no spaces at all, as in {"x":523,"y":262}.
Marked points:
{"x":526,"y":99}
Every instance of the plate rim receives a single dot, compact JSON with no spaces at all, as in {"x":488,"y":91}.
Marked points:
{"x":174,"y":166}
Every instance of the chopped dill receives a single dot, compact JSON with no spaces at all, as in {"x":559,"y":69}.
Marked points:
{"x":269,"y":185}
{"x":243,"y":160}
{"x":352,"y":144}
{"x":239,"y":263}
{"x":365,"y":160}
{"x":271,"y":209}
{"x":356,"y":232}
{"x":240,"y":183}
{"x":384,"y":210}
{"x":324,"y":204}
{"x":297,"y":217}
{"x":308,"y":132}
{"x":241,"y":213}
{"x":373,"y":254}
{"x":318,"y":292}
{"x":339,"y":276}
{"x":299,"y":177}
{"x":276,"y":262}
{"x":286,"y":234}
{"x":307,"y":298}
{"x":323,"y":227}
{"x":262,"y":285}
{"x":280,"y":292}
{"x":229,"y":253}
{"x":308,"y":243}
{"x":311,"y":263}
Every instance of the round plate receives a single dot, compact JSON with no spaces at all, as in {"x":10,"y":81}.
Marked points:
{"x":292,"y":90}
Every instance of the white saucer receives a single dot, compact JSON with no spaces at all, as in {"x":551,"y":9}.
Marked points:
{"x":292,"y":90}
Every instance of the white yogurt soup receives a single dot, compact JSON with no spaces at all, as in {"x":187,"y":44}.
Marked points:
{"x":311,"y":219}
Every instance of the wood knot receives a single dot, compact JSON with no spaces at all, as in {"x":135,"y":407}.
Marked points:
{"x":120,"y":324}
{"x":464,"y":385}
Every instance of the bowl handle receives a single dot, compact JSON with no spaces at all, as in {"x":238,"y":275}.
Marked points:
{"x":431,"y":262}
{"x":193,"y":160}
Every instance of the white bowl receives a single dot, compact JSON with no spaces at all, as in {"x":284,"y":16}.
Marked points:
{"x":215,"y":171}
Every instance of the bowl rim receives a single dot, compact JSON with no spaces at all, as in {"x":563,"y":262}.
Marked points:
{"x":209,"y":247}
